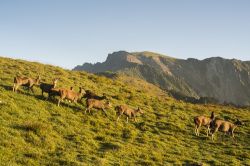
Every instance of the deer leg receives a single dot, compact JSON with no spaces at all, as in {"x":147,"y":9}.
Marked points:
{"x":127,"y":119}
{"x":89,"y":110}
{"x":58,"y":104}
{"x":232,"y":133}
{"x":31,"y":88}
{"x":215,"y":130}
{"x":198,"y":131}
{"x":212,"y":137}
{"x":195,"y":130}
{"x":14,"y":86}
{"x":49,"y":96}
{"x":118,"y":118}
{"x":104,"y":111}
{"x":69,"y":102}
{"x":208,"y":130}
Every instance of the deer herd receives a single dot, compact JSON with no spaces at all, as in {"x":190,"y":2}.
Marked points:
{"x":211,"y":123}
{"x":92,"y":99}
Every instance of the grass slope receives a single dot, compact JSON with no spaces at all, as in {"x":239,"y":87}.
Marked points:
{"x":37,"y":132}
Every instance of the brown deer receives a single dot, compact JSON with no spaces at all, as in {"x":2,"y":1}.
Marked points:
{"x":69,"y":95}
{"x":203,"y":121}
{"x":224,"y":126}
{"x":45,"y":87}
{"x":97,"y":104}
{"x":129,"y":112}
{"x":91,"y":95}
{"x":56,"y":91}
{"x":26,"y":82}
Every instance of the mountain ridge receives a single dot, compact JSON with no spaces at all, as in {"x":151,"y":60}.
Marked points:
{"x":226,"y":80}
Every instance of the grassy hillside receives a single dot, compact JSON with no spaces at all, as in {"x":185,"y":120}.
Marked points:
{"x":37,"y":132}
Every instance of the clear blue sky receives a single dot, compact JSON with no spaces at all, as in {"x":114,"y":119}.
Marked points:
{"x":70,"y":32}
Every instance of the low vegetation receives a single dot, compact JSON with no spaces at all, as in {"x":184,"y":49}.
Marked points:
{"x":35,"y":131}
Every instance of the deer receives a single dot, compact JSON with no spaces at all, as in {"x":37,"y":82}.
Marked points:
{"x":203,"y":121}
{"x":225,"y":127}
{"x":69,"y":95}
{"x":56,"y":91}
{"x":91,"y":95}
{"x":97,"y":104}
{"x":129,"y":112}
{"x":45,"y":87}
{"x":26,"y":82}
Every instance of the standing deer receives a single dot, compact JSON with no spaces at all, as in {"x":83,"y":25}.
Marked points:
{"x":70,"y":95}
{"x":203,"y":121}
{"x":26,"y":82}
{"x":97,"y":104}
{"x":129,"y":112}
{"x":45,"y":87}
{"x":224,"y":126}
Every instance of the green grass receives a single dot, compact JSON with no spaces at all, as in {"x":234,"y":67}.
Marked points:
{"x":37,"y":132}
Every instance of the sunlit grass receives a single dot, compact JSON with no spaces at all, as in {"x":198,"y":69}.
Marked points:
{"x":37,"y":132}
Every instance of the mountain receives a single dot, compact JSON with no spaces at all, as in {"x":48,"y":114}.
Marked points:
{"x":35,"y":131}
{"x":225,"y":80}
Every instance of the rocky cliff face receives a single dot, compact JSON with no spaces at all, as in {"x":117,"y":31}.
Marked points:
{"x":223,"y":79}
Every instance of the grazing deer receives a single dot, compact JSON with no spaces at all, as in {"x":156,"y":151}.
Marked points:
{"x":26,"y":82}
{"x":129,"y":112}
{"x":70,"y":95}
{"x":224,"y":126}
{"x":203,"y":121}
{"x":45,"y":87}
{"x":97,"y":104}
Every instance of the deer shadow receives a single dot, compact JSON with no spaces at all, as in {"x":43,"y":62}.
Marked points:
{"x":6,"y":87}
